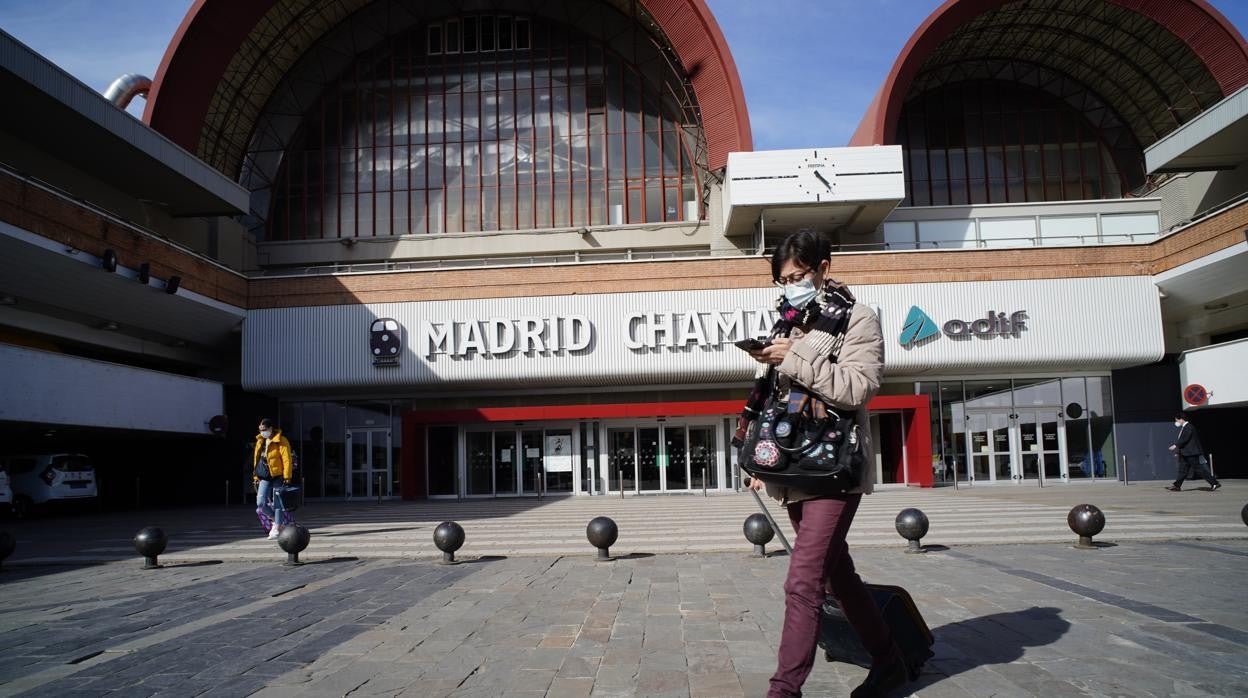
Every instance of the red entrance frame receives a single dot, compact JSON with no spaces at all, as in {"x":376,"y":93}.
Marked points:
{"x":413,"y":467}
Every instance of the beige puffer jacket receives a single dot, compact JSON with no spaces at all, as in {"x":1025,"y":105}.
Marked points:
{"x":848,"y":384}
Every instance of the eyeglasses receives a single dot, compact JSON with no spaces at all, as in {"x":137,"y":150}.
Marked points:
{"x":794,"y":278}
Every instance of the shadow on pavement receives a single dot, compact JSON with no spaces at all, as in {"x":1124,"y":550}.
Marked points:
{"x":82,"y":539}
{"x":999,"y":638}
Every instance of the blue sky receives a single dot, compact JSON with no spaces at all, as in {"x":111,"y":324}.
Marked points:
{"x":809,"y":67}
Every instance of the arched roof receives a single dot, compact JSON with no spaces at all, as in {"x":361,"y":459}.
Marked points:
{"x":228,"y":56}
{"x":1157,"y":63}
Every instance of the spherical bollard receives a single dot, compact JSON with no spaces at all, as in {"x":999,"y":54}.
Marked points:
{"x":602,"y":533}
{"x":449,"y":537}
{"x":1086,"y":521}
{"x":293,"y":539}
{"x":912,"y":525}
{"x":7,"y":545}
{"x":150,"y":542}
{"x":758,"y":531}
{"x":1243,"y":514}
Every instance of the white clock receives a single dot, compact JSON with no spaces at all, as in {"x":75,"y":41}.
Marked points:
{"x":816,"y":177}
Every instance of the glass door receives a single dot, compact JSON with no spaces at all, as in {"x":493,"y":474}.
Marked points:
{"x":622,"y":459}
{"x":991,"y":452}
{"x":703,"y":458}
{"x":478,"y":454}
{"x":506,"y":463}
{"x":1040,"y":445}
{"x":649,"y":470}
{"x":369,"y":451}
{"x":675,"y":457}
{"x":531,"y":472}
{"x":558,"y":461}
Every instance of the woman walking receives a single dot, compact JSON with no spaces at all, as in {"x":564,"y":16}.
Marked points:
{"x":830,"y":345}
{"x":272,"y":467}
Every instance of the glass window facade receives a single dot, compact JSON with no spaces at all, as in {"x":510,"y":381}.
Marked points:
{"x":989,"y":142}
{"x":486,"y":123}
{"x":1022,"y":429}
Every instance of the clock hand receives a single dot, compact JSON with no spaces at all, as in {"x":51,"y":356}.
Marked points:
{"x":820,"y":177}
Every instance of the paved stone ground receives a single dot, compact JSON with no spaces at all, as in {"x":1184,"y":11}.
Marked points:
{"x":1135,"y":619}
{"x":654,"y":524}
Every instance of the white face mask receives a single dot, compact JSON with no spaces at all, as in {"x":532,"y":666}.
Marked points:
{"x":267,"y":433}
{"x":1178,"y":424}
{"x":801,"y":293}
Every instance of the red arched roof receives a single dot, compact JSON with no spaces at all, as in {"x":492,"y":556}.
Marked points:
{"x":213,"y":31}
{"x":1204,"y":30}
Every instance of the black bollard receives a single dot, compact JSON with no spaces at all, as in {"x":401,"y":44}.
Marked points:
{"x":1086,"y":521}
{"x":294,"y":539}
{"x":758,"y":531}
{"x":150,"y":542}
{"x":912,"y":525}
{"x":8,"y":544}
{"x":1243,"y":514}
{"x":602,"y":534}
{"x":449,"y":537}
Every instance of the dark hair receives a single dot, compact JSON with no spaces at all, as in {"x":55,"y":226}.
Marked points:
{"x":266,"y":422}
{"x":1180,"y":415}
{"x":807,"y":247}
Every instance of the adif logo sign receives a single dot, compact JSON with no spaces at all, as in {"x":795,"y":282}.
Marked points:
{"x":920,"y":326}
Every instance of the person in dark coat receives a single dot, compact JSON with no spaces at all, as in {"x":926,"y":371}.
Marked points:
{"x":1190,"y":456}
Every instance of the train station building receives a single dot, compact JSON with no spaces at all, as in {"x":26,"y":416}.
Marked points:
{"x":498,"y":253}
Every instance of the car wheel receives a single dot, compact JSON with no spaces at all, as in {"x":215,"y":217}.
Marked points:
{"x":21,"y":507}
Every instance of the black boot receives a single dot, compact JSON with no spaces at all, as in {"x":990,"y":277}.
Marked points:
{"x":884,"y":678}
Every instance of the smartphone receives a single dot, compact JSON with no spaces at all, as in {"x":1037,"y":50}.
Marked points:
{"x":752,"y":344}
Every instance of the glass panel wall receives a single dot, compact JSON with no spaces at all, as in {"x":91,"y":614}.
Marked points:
{"x":312,"y":433}
{"x":989,"y":141}
{"x":1023,"y":428}
{"x":335,"y":450}
{"x":1081,"y":462}
{"x":1101,"y":424}
{"x":547,"y":127}
{"x":443,"y":443}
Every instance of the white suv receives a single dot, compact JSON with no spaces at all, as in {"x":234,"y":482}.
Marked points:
{"x":51,"y":477}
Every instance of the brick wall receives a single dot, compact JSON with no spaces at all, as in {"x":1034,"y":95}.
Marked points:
{"x":64,"y":221}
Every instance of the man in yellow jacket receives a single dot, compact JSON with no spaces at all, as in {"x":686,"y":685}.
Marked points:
{"x":272,"y":467}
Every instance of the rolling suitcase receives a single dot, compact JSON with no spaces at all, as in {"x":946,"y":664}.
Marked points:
{"x":910,"y":632}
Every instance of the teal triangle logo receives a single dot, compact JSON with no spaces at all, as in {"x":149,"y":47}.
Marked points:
{"x":918,"y":327}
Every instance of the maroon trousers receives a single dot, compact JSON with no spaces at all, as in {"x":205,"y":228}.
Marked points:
{"x":820,"y":562}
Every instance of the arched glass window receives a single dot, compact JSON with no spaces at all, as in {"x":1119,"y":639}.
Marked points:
{"x":482,"y":123}
{"x":980,"y":142}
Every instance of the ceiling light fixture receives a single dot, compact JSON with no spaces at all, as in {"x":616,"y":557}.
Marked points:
{"x":8,"y":300}
{"x":109,"y":326}
{"x":1217,"y":306}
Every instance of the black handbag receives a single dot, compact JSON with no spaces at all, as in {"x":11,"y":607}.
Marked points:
{"x":799,"y":442}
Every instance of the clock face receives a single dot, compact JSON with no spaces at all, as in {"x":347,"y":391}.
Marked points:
{"x":817,"y":177}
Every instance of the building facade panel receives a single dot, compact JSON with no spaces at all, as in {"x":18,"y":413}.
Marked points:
{"x":685,"y":337}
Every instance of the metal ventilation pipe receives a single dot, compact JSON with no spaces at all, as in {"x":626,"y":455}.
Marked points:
{"x":126,"y":87}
